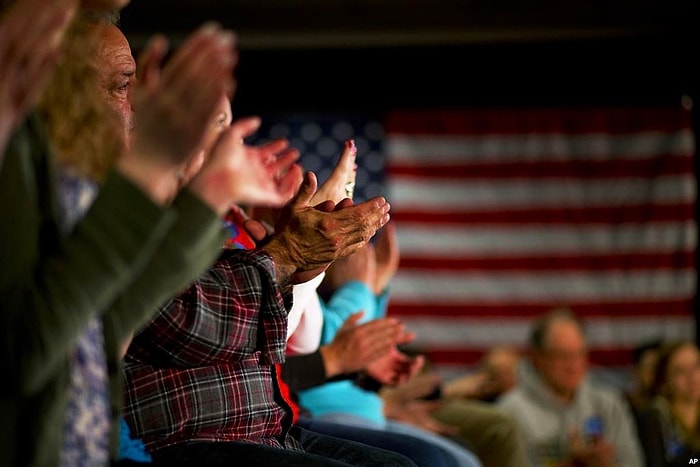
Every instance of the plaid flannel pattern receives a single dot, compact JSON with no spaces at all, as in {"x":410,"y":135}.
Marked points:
{"x":204,"y":368}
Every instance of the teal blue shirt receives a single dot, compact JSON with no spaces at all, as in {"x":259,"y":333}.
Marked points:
{"x":344,"y":396}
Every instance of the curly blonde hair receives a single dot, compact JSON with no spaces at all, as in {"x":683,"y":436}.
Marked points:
{"x":85,"y":136}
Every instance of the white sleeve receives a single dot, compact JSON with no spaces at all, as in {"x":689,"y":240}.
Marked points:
{"x":303,"y":295}
{"x":307,"y":336}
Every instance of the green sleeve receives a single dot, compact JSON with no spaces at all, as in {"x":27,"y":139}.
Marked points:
{"x":50,"y":287}
{"x":191,"y":246}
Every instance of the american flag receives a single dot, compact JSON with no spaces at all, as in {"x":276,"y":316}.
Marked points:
{"x":503,"y":214}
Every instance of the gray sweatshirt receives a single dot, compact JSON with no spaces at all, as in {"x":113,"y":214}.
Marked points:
{"x":546,"y":423}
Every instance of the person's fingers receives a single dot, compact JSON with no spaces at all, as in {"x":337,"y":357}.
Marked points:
{"x":341,"y":181}
{"x":352,"y":320}
{"x":306,"y":191}
{"x":344,"y":203}
{"x":202,"y":39}
{"x":255,"y":229}
{"x":289,"y":184}
{"x":49,"y":25}
{"x":149,"y":61}
{"x":200,"y":71}
{"x":283,"y":162}
{"x":376,"y":211}
{"x":325,"y":206}
{"x":405,"y":337}
{"x":244,"y":127}
{"x":273,"y":148}
{"x":39,"y":75}
{"x":30,"y":60}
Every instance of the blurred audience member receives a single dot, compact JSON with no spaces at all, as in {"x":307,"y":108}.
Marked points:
{"x":496,"y":374}
{"x":565,"y":419}
{"x":477,"y":425}
{"x":670,"y":426}
{"x":639,"y":395}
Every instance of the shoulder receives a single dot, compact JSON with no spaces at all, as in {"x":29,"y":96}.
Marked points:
{"x":513,"y":399}
{"x":606,"y":395}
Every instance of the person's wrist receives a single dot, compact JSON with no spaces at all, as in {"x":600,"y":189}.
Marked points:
{"x":331,"y":362}
{"x":214,"y":189}
{"x":284,"y":264}
{"x":157,"y":182}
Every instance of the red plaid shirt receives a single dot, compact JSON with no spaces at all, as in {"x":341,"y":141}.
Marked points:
{"x":204,"y":368}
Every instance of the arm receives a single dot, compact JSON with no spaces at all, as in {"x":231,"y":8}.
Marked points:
{"x":304,"y":331}
{"x":350,"y":298}
{"x":51,"y":289}
{"x":352,"y":349}
{"x":31,"y":34}
{"x":185,"y":253}
{"x":301,"y":372}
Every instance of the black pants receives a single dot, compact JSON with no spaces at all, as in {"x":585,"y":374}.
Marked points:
{"x":320,"y":451}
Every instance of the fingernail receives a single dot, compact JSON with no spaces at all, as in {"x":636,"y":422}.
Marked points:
{"x":210,"y":28}
{"x":350,"y":144}
{"x":227,"y":39}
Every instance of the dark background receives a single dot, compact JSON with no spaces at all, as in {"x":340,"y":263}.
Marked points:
{"x":375,"y":55}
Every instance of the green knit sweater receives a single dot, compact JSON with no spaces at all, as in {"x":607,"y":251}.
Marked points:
{"x":125,"y":257}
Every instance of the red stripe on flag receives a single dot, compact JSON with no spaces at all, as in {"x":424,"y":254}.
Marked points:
{"x":569,"y":263}
{"x":663,"y":165}
{"x":470,"y":356}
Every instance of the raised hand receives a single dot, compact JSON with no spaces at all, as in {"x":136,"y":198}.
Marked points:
{"x":174,"y":105}
{"x":387,"y":256}
{"x":359,"y":266}
{"x":341,"y":182}
{"x":419,"y":386}
{"x":355,"y":346}
{"x":394,"y":367}
{"x":598,"y":452}
{"x":308,"y":238}
{"x":419,"y":413}
{"x":236,"y":173}
{"x":31,"y":35}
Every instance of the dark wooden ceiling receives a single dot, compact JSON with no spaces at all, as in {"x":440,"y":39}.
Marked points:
{"x":377,"y":54}
{"x":350,"y":23}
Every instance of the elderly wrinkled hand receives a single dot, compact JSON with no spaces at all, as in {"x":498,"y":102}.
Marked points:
{"x":308,"y":238}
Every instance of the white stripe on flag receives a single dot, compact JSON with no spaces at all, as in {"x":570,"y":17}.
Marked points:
{"x":484,"y":332}
{"x":464,"y":240}
{"x":474,"y":195}
{"x":437,"y":287}
{"x":499,"y":148}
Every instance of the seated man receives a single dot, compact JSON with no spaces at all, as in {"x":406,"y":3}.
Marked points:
{"x":565,"y":419}
{"x":202,"y":377}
